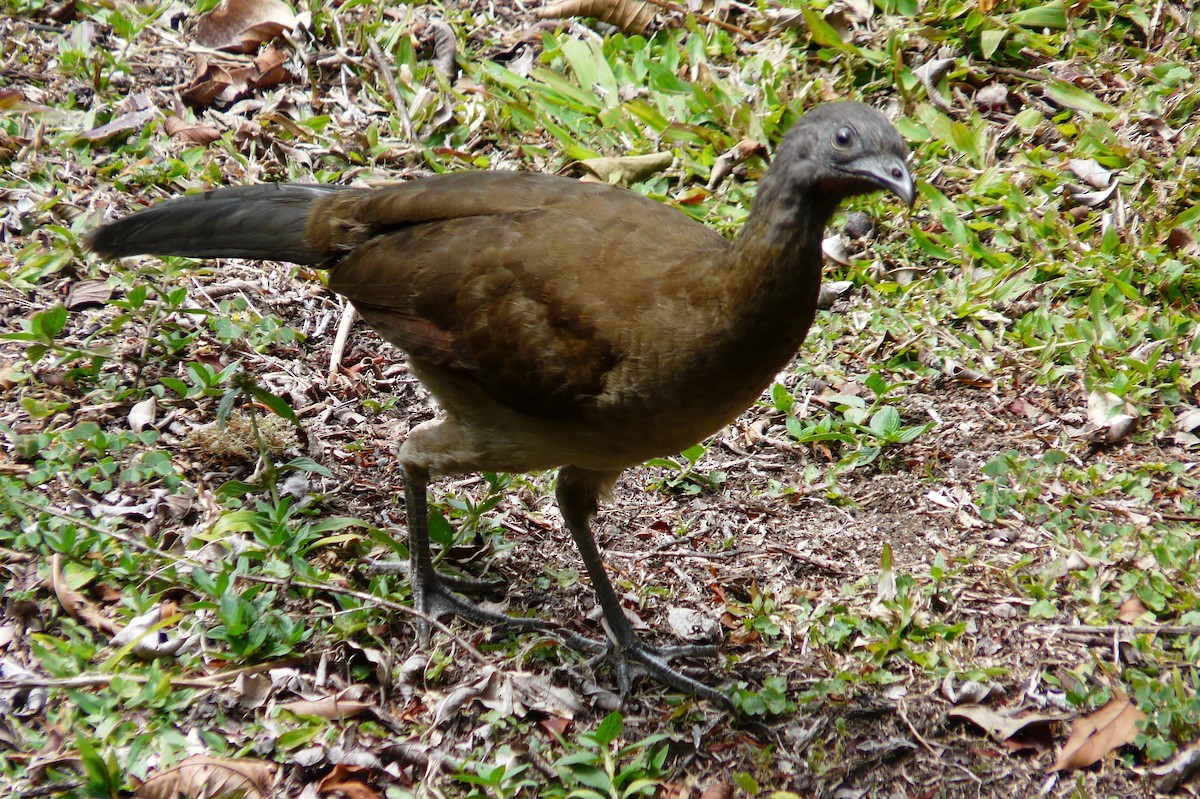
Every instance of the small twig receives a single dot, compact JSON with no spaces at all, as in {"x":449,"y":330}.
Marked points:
{"x":393,"y":90}
{"x":349,"y":314}
{"x":930,"y":748}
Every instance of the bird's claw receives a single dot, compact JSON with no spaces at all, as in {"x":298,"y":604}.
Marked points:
{"x":434,"y":598}
{"x":638,"y":658}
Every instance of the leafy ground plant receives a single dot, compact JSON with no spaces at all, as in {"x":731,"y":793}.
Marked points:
{"x":952,"y":553}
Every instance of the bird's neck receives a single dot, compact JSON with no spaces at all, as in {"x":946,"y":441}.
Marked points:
{"x":776,"y":263}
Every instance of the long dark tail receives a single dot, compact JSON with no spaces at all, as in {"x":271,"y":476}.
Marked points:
{"x":266,"y":222}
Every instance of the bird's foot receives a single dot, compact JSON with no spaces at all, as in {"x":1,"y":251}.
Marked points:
{"x":463,"y":585}
{"x":639,"y":658}
{"x":434,"y":597}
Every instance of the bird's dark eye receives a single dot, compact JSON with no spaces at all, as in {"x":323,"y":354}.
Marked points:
{"x":843,"y":137}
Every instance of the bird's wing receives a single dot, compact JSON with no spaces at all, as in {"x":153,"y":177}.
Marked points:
{"x":531,"y":286}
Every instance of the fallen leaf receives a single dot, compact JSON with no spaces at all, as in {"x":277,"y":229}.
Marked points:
{"x":734,"y":155}
{"x":929,"y":74}
{"x":1090,"y":172}
{"x":210,"y":81}
{"x":87,"y":294}
{"x":1131,"y":610}
{"x":832,"y":291}
{"x":627,"y":169}
{"x":631,"y":16}
{"x":1018,"y":730}
{"x":123,"y":125}
{"x":75,"y":604}
{"x":1095,"y":735}
{"x":191,"y":132}
{"x":1181,"y":240}
{"x":330,"y":707}
{"x":348,"y":781}
{"x":212,"y":777}
{"x":141,"y":415}
{"x":240,"y":26}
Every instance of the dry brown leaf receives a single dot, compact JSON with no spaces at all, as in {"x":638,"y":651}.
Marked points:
{"x":1131,"y":610}
{"x":348,"y":781}
{"x":75,"y":604}
{"x":268,"y":69}
{"x":240,"y":26}
{"x":210,"y":81}
{"x":87,"y":294}
{"x":1095,"y":735}
{"x":625,"y":170}
{"x":1181,"y":240}
{"x":330,"y":707}
{"x":986,"y":6}
{"x":631,"y":16}
{"x":1017,"y":730}
{"x":191,"y":132}
{"x":9,"y":97}
{"x":212,"y":778}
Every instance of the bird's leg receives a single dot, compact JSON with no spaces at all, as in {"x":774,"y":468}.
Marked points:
{"x":433,"y":593}
{"x":578,"y":492}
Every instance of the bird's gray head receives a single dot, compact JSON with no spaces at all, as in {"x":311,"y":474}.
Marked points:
{"x":838,"y":150}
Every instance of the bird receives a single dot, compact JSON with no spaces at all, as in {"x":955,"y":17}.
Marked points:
{"x":558,"y":324}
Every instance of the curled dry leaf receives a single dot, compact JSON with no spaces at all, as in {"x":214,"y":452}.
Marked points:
{"x":331,"y":707}
{"x":141,"y":415}
{"x":627,"y":169}
{"x":1095,"y":735}
{"x":191,"y":132}
{"x":832,"y":291}
{"x":631,"y":16}
{"x":1181,"y":240}
{"x":240,"y":26}
{"x":1090,"y":172}
{"x":212,"y":777}
{"x":929,"y":74}
{"x":209,"y":82}
{"x":1017,"y":730}
{"x":435,"y":40}
{"x":735,"y":155}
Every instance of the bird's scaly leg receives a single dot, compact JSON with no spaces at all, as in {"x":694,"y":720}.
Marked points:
{"x":433,"y":593}
{"x":577,"y":494}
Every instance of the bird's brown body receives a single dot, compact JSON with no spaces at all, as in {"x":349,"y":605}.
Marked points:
{"x":564,"y":323}
{"x":558,"y":323}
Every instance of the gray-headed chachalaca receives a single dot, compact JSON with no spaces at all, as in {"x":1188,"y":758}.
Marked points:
{"x":559,"y":324}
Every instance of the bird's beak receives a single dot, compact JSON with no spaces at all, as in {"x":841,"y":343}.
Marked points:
{"x":888,"y":172}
